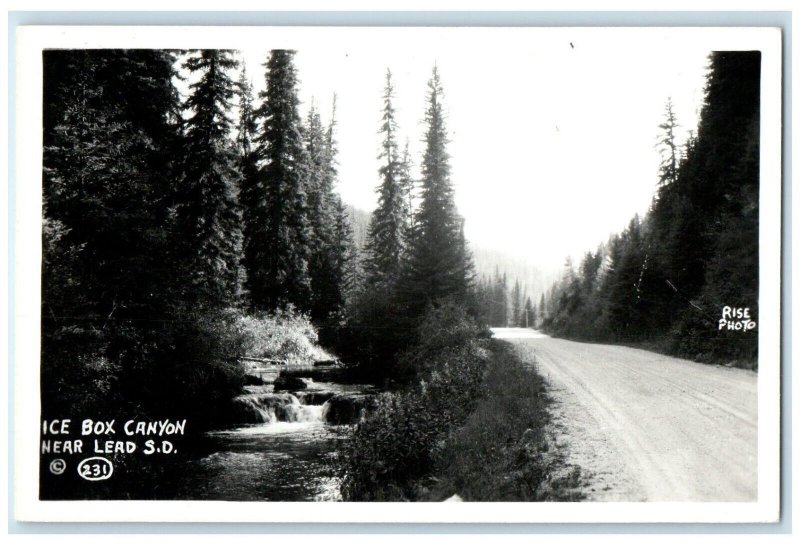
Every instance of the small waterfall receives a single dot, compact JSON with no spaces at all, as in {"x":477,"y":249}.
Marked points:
{"x":297,"y":412}
{"x":313,"y":397}
{"x":268,"y":408}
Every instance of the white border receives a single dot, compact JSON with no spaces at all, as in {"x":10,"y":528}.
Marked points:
{"x":30,"y":43}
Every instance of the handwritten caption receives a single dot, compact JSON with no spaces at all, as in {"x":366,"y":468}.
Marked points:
{"x":736,"y":319}
{"x":65,"y":437}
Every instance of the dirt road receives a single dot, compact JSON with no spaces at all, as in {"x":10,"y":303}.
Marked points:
{"x":648,"y":427}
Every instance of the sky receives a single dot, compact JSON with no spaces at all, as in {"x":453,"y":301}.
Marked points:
{"x":552,"y":148}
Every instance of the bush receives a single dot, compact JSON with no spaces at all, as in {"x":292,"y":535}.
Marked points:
{"x":396,"y":444}
{"x":444,"y":328}
{"x":376,"y":331}
{"x":180,"y":368}
{"x":184,"y":367}
{"x":285,"y":335}
{"x":501,"y":453}
{"x":191,"y":367}
{"x":77,"y":376}
{"x":473,"y":424}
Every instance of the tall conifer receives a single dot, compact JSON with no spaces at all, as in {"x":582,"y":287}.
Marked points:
{"x":387,"y":230}
{"x":279,"y":229}
{"x":209,"y":218}
{"x":331,"y":248}
{"x":670,"y":157}
{"x":439,"y":264}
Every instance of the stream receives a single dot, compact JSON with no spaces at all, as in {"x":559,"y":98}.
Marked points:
{"x":284,"y":449}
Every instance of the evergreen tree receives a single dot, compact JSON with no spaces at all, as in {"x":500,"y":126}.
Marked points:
{"x":542,"y":308}
{"x":491,"y":298}
{"x":516,"y":304}
{"x":625,"y":294}
{"x":663,"y":279}
{"x":247,"y":123}
{"x":251,"y":189}
{"x":276,"y":215}
{"x":668,"y":147}
{"x":320,"y":214}
{"x":483,"y":300}
{"x":671,"y":220}
{"x":408,"y":184}
{"x":439,"y":264}
{"x":725,"y":187}
{"x":109,"y":270}
{"x":344,"y":249}
{"x":209,"y":218}
{"x":345,"y":263}
{"x":500,"y":300}
{"x":110,"y":136}
{"x":332,"y":243}
{"x":530,"y":313}
{"x":387,"y":232}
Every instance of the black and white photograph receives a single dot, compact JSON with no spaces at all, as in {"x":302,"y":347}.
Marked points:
{"x":421,"y":266}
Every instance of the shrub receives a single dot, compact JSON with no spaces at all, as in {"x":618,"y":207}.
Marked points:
{"x":500,"y":453}
{"x":285,"y":335}
{"x":77,"y":376}
{"x":184,"y":367}
{"x":396,"y":444}
{"x":178,"y":368}
{"x":376,"y":331}
{"x":444,"y":328}
{"x":473,"y":424}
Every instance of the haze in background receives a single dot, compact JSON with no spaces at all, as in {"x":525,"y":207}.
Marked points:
{"x":551,"y":150}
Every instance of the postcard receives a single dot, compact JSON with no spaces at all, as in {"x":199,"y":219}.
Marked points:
{"x":333,"y":274}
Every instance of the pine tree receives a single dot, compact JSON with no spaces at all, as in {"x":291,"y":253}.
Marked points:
{"x":439,"y":263}
{"x":516,"y":303}
{"x":668,"y":213}
{"x":320,"y":214}
{"x":253,"y":195}
{"x":276,"y":216}
{"x":209,"y":218}
{"x":110,"y":140}
{"x":663,"y":278}
{"x":668,"y":172}
{"x":500,"y":300}
{"x":332,"y":246}
{"x":529,"y":320}
{"x":345,"y":250}
{"x":247,"y":122}
{"x":250,"y":190}
{"x":542,"y":308}
{"x":345,"y":260}
{"x":725,"y":188}
{"x":387,"y":231}
{"x":483,"y":300}
{"x":408,"y":186}
{"x":110,"y":136}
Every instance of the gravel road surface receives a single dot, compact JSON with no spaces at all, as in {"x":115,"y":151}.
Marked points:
{"x":648,"y":427}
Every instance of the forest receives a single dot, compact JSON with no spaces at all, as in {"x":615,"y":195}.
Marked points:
{"x":189,"y":226}
{"x":184,"y":235}
{"x":664,"y":281}
{"x":172,"y":232}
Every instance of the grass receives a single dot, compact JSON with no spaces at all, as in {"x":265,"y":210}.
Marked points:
{"x":503,"y":452}
{"x":476,"y":424}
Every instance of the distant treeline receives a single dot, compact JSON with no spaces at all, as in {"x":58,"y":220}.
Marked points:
{"x":664,"y":281}
{"x":501,"y":304}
